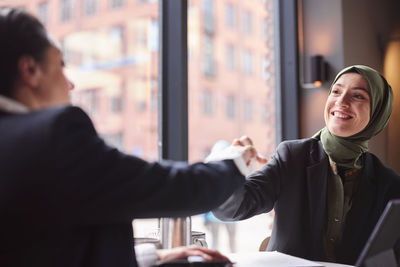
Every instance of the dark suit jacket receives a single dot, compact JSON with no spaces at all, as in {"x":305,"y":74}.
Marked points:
{"x":67,"y":199}
{"x":294,"y":183}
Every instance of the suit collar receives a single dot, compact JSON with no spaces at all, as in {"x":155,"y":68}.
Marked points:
{"x":9,"y":105}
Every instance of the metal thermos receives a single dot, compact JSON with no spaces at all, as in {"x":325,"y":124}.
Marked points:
{"x":175,"y":232}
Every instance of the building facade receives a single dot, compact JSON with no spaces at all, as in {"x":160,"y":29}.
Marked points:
{"x":111,"y":51}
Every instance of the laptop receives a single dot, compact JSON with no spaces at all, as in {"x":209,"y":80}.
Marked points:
{"x":383,"y":246}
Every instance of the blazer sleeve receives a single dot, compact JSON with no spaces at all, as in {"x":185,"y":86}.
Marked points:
{"x":260,"y":191}
{"x":95,"y":183}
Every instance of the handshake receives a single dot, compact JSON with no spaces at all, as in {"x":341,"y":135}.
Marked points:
{"x":241,"y":151}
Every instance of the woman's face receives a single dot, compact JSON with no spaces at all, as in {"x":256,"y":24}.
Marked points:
{"x":347,"y":110}
{"x":54,"y":85}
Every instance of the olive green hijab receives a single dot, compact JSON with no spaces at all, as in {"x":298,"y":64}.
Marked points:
{"x":346,"y":151}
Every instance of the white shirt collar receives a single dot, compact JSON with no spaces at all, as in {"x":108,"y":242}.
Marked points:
{"x":12,"y":106}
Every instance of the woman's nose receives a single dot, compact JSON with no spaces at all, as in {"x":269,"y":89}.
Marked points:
{"x":342,"y":101}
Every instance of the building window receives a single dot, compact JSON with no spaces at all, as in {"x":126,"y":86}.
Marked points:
{"x":117,"y":3}
{"x":141,"y":105}
{"x":248,"y":110}
{"x":43,"y":13}
{"x":90,"y":101}
{"x":208,"y":24}
{"x":247,"y":22}
{"x":230,"y":107}
{"x":247,"y":62}
{"x":116,"y":104}
{"x":265,"y":29}
{"x":154,"y":94}
{"x":152,"y":40}
{"x":141,"y":35}
{"x":117,"y":38}
{"x":208,"y":103}
{"x":265,"y":68}
{"x":209,"y":61}
{"x":230,"y":57}
{"x":230,"y":15}
{"x":265,"y":114}
{"x":66,"y":10}
{"x":90,"y":7}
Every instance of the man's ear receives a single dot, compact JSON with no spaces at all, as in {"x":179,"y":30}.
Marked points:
{"x":29,"y":71}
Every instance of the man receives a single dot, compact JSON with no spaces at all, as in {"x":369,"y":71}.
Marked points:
{"x":66,"y":198}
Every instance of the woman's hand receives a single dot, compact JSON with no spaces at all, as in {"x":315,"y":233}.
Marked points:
{"x":185,"y":252}
{"x":250,"y":153}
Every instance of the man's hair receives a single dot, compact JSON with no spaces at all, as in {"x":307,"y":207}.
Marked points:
{"x":21,"y":34}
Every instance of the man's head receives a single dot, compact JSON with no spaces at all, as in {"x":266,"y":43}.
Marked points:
{"x":31,"y":68}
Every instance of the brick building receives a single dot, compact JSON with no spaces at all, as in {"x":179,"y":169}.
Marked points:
{"x":111,"y":51}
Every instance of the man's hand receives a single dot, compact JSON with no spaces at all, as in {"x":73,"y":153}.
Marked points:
{"x":185,"y":252}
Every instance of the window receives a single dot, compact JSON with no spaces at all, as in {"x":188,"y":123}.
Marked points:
{"x":141,"y":35}
{"x":230,"y":107}
{"x":230,"y":15}
{"x":265,"y":32}
{"x":152,"y":36}
{"x":230,"y":57}
{"x":266,"y":115}
{"x":266,"y":68}
{"x":90,"y":7}
{"x":234,"y":55}
{"x":209,"y":62}
{"x":90,"y":101}
{"x":116,"y":104}
{"x":100,"y":57}
{"x":66,"y":10}
{"x":43,"y":12}
{"x":247,"y":62}
{"x":117,"y":4}
{"x":208,"y":17}
{"x":247,"y":22}
{"x":208,"y":103}
{"x":116,"y":36}
{"x":248,"y":110}
{"x":154,"y":94}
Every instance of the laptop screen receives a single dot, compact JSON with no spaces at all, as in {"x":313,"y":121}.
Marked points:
{"x":383,"y":245}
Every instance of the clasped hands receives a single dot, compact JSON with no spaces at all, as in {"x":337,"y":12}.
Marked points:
{"x":244,"y":145}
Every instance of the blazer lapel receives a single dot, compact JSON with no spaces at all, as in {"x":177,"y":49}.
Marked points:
{"x":317,"y":175}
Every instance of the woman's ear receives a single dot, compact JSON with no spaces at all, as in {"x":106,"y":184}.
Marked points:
{"x":29,"y":71}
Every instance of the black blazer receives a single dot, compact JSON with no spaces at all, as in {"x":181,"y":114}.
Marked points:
{"x":68,"y":199}
{"x":294,"y":184}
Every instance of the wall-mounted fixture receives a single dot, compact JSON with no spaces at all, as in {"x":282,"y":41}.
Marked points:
{"x":319,"y":70}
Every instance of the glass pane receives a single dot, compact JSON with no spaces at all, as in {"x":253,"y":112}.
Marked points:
{"x":110,"y":49}
{"x":231,"y":93}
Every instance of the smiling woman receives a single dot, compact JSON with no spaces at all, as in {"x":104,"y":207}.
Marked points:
{"x":327,"y":191}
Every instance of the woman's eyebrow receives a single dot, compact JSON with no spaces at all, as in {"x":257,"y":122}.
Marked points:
{"x":361,"y":88}
{"x":355,"y":88}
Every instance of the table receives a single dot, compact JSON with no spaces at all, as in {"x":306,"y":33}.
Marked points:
{"x":275,"y":259}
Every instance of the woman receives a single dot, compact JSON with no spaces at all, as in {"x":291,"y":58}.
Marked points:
{"x":327,"y":191}
{"x":68,"y":199}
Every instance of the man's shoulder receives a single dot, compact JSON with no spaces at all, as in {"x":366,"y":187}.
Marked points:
{"x":55,"y":113}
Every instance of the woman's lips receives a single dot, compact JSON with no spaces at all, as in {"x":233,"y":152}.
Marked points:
{"x":341,"y":114}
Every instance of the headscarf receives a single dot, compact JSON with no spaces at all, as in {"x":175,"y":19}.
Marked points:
{"x":346,"y":152}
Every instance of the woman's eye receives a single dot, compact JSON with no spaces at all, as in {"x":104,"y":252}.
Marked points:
{"x":358,"y":96}
{"x":335,"y":91}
